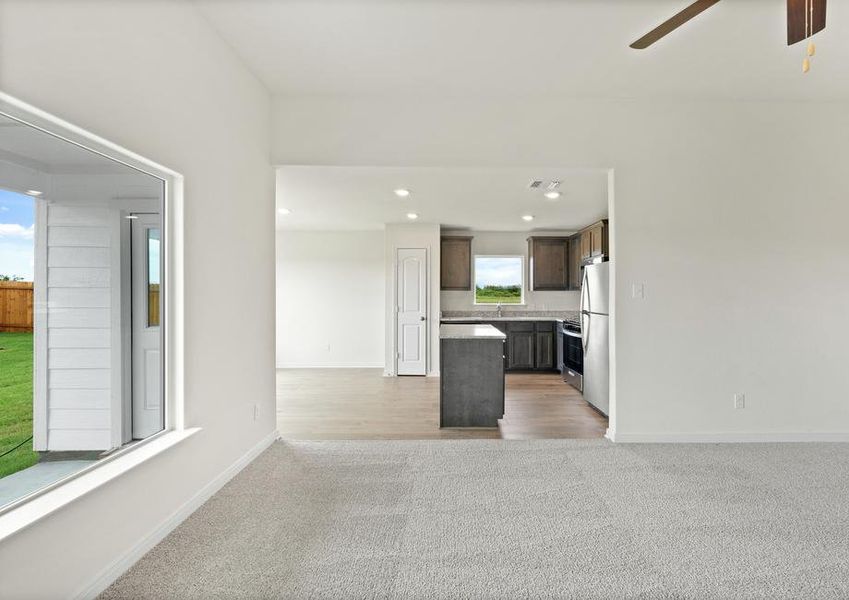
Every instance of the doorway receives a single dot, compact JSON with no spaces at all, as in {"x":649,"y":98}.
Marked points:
{"x":411,"y":311}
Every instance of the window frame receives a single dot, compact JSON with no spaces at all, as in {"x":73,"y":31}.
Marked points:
{"x":28,"y":509}
{"x":522,"y":263}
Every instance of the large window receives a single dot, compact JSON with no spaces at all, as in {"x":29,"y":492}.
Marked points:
{"x":499,"y":279}
{"x":82,"y":286}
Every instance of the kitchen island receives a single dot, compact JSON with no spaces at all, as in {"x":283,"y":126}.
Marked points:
{"x":472,"y":377}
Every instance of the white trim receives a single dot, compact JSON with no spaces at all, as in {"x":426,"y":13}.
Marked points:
{"x":43,"y":503}
{"x":40,"y":412}
{"x":120,"y":565}
{"x":172,"y":317}
{"x":727,"y":438}
{"x":612,"y":412}
{"x":116,"y":315}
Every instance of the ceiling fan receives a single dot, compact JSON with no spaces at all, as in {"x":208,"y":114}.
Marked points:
{"x":804,"y":19}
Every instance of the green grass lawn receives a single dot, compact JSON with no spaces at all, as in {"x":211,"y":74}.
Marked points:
{"x":16,"y":402}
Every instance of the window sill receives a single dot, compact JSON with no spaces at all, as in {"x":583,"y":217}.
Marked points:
{"x":45,"y":503}
{"x":502,"y":306}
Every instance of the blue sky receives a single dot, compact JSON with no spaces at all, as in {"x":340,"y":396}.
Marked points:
{"x":491,"y":270}
{"x":16,"y":232}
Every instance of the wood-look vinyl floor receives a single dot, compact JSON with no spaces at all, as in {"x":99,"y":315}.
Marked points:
{"x":351,"y":404}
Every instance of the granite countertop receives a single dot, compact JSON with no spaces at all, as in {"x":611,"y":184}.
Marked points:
{"x":470,"y":332}
{"x":509,"y":315}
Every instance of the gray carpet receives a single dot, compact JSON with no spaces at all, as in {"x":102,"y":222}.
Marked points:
{"x":495,"y":519}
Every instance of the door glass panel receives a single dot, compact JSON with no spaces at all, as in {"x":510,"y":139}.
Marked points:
{"x":153,"y":277}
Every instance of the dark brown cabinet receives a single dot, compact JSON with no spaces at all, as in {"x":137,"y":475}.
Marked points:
{"x":594,"y":241}
{"x":456,"y":263}
{"x":521,"y":343}
{"x":531,"y":346}
{"x":575,"y":272}
{"x":545,"y":351}
{"x":548,"y":259}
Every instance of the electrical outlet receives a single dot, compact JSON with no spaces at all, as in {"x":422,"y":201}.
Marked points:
{"x":739,"y":401}
{"x":256,"y":412}
{"x":638,"y":291}
{"x":328,"y":347}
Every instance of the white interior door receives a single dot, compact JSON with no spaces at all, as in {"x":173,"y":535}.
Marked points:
{"x":148,"y":414}
{"x":412,"y":311}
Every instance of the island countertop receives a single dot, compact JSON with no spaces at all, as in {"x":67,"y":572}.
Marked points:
{"x":470,"y":332}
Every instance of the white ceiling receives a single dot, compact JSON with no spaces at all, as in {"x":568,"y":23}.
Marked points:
{"x":575,"y":48}
{"x":357,"y":198}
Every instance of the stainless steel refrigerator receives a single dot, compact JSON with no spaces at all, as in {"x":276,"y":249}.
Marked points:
{"x":595,"y":334}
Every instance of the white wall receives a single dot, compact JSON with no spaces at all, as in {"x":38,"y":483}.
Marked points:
{"x":732,"y":214}
{"x":155,"y":78}
{"x":510,"y":243}
{"x":330,"y":299}
{"x":417,"y":235}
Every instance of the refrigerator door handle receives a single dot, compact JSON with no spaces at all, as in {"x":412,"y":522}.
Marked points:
{"x":584,"y":290}
{"x":585,"y":332}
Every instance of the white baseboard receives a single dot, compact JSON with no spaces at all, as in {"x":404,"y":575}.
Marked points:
{"x":120,"y":566}
{"x":726,"y":438}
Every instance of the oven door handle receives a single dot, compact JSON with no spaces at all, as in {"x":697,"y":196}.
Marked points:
{"x":574,"y":334}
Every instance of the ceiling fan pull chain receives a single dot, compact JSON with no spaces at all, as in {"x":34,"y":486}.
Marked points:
{"x":809,"y":13}
{"x":812,"y":48}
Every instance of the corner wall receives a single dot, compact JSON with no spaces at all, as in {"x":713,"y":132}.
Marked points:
{"x":156,"y":79}
{"x":330,"y":299}
{"x":419,"y":235}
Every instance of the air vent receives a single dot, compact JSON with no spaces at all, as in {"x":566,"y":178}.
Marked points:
{"x":535,"y":184}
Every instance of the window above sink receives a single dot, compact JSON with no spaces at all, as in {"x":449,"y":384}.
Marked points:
{"x":499,"y":279}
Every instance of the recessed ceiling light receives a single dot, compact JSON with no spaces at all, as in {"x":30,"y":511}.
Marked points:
{"x":34,"y":192}
{"x":412,"y":216}
{"x":402,"y":193}
{"x":527,"y":217}
{"x":132,"y":217}
{"x":552,"y":195}
{"x":284,"y":211}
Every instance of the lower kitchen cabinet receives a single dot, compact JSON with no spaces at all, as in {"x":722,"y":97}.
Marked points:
{"x":545,"y":352}
{"x":521,"y":342}
{"x":530,"y":345}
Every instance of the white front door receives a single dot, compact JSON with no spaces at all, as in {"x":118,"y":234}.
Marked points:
{"x":148,"y":415}
{"x":412,"y":311}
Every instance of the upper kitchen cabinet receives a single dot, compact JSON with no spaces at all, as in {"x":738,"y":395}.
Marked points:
{"x":594,"y":241}
{"x":456,"y":263}
{"x":575,"y":274}
{"x":548,"y":258}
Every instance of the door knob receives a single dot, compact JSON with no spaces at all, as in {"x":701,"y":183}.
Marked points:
{"x":422,"y":318}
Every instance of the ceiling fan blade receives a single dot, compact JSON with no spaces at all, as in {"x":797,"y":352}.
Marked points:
{"x":675,"y":22}
{"x":796,"y":19}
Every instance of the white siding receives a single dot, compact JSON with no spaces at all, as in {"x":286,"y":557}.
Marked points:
{"x":79,"y":321}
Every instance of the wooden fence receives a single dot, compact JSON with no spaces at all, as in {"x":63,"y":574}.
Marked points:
{"x":16,"y":306}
